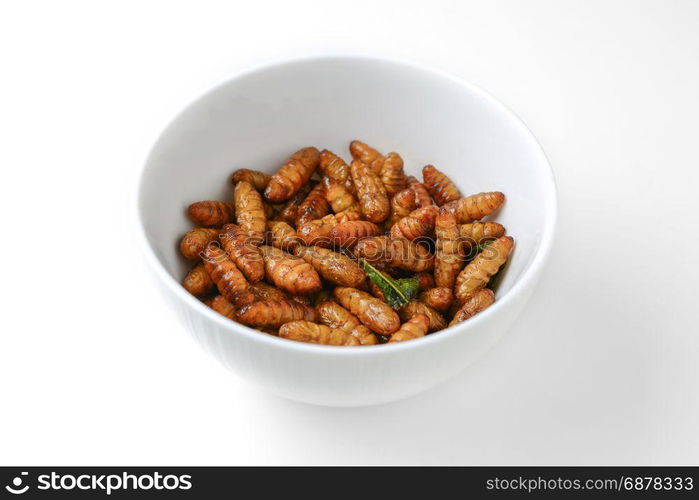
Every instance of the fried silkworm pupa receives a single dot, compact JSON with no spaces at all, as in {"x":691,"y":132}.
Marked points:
{"x":332,"y":314}
{"x":290,"y":273}
{"x":335,"y":168}
{"x":438,"y":298}
{"x":240,"y":248}
{"x":302,"y":299}
{"x":318,"y":232}
{"x":414,"y":328}
{"x":332,"y":266}
{"x":313,"y":333}
{"x":426,"y":280}
{"x":383,"y":251}
{"x":372,"y":196}
{"x":418,"y":224}
{"x":449,"y":256}
{"x":222,"y":306}
{"x":195,"y":241}
{"x":313,"y":207}
{"x":364,"y":335}
{"x":415,"y":307}
{"x":266,"y":292}
{"x":422,"y":196}
{"x":270,"y":211}
{"x":259,"y":180}
{"x":476,"y":206}
{"x":228,"y":279}
{"x":392,"y":175}
{"x":282,"y":235}
{"x":211,"y":213}
{"x":367,"y":155}
{"x":402,"y":203}
{"x":440,"y":187}
{"x":292,"y":175}
{"x":322,"y":296}
{"x":372,"y":312}
{"x":477,"y":233}
{"x":198,"y":282}
{"x":250,"y":211}
{"x":339,"y":197}
{"x":348,"y":234}
{"x":289,"y":210}
{"x":478,"y":272}
{"x":479,"y":301}
{"x":274,"y":313}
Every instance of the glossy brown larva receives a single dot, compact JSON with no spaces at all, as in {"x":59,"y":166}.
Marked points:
{"x":338,"y":253}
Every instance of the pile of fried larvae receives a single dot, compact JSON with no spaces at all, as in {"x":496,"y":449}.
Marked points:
{"x":291,"y":255}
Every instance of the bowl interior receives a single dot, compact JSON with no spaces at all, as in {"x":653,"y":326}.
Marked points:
{"x":258,"y":119}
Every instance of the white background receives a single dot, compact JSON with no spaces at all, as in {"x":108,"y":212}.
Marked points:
{"x":600,"y":369}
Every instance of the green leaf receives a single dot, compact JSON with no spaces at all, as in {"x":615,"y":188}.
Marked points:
{"x":397,"y":292}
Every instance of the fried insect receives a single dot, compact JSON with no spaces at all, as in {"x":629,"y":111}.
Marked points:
{"x":383,"y":251}
{"x":194,"y":242}
{"x":228,"y":279}
{"x":372,"y":196}
{"x":348,"y":234}
{"x":477,"y":233}
{"x":426,"y":280}
{"x":332,"y":314}
{"x":415,"y":307}
{"x":211,"y":213}
{"x":313,"y":333}
{"x":372,"y":312}
{"x":314,"y":206}
{"x":321,"y":296}
{"x":282,"y":235}
{"x":249,"y":211}
{"x":364,"y":335}
{"x":422,"y":196}
{"x":340,"y":198}
{"x":418,"y":224}
{"x":476,"y":303}
{"x":332,"y":266}
{"x":243,"y":252}
{"x":266,"y":292}
{"x":402,"y":203}
{"x":270,"y":211}
{"x":292,"y":175}
{"x":289,"y":210}
{"x":414,"y":328}
{"x":439,"y":298}
{"x":291,"y":273}
{"x":198,"y":282}
{"x":274,"y":313}
{"x":442,"y":189}
{"x":222,"y":306}
{"x":478,"y":272}
{"x":318,"y":232}
{"x":259,"y":180}
{"x":392,"y":174}
{"x":449,"y":256}
{"x":367,"y":155}
{"x":335,"y":168}
{"x":476,"y":206}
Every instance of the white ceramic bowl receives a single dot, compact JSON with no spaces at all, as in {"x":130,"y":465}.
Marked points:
{"x":256,"y":119}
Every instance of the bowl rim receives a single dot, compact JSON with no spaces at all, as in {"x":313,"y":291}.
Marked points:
{"x":529,"y":275}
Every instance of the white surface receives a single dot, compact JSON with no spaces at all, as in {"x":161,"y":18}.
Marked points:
{"x":257,"y":119}
{"x":602,"y":366}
